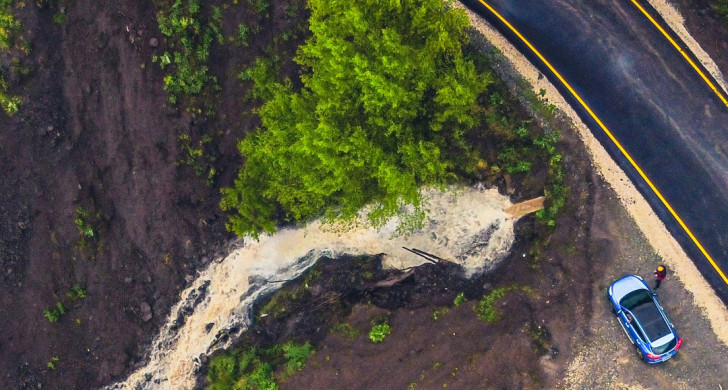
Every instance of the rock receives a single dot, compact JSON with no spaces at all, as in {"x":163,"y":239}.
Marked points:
{"x":189,"y":278}
{"x":22,"y":225}
{"x":316,"y":290}
{"x":146,"y":311}
{"x":204,"y":259}
{"x":148,"y":279}
{"x":153,"y":42}
{"x":127,"y":280}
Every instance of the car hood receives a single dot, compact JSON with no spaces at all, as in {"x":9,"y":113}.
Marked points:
{"x":624,"y":286}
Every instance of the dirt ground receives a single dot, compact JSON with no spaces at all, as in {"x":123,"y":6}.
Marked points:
{"x":95,"y":130}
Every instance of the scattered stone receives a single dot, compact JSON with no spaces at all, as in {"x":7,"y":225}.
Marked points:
{"x":148,"y":279}
{"x":146,"y":311}
{"x":189,"y":278}
{"x":205,"y":259}
{"x":153,"y":42}
{"x":127,"y":280}
{"x":316,"y":290}
{"x":22,"y":225}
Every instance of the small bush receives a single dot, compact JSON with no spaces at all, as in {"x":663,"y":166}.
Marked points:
{"x":379,"y":332}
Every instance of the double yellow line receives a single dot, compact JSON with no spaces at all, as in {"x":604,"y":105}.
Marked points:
{"x":609,"y":133}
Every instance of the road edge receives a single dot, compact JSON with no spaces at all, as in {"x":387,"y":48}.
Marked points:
{"x":637,"y":207}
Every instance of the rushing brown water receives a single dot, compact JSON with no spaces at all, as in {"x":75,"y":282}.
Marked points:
{"x":465,"y":225}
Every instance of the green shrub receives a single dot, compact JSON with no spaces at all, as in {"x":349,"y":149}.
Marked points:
{"x":59,"y":18}
{"x":459,"y":299}
{"x":379,"y":332}
{"x":76,"y":292}
{"x":53,"y":363}
{"x":53,"y":315}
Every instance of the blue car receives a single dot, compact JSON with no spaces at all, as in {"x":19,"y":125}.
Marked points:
{"x":643,"y":319}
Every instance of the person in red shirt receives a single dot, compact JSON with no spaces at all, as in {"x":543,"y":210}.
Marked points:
{"x":660,"y":275}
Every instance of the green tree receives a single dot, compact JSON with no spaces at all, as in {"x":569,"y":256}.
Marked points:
{"x":386,"y":100}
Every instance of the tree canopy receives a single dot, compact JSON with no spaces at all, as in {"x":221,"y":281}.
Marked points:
{"x":387,"y":95}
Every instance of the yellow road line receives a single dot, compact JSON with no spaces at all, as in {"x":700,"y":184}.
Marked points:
{"x":683,"y":52}
{"x":611,"y":137}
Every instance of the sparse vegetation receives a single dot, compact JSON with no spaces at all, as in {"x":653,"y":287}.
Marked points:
{"x":485,"y":309}
{"x":10,"y":27}
{"x":345,"y":330}
{"x":53,"y":315}
{"x":722,"y":7}
{"x":53,"y":363}
{"x":198,"y":156}
{"x":439,"y":313}
{"x":76,"y":292}
{"x":85,"y":223}
{"x":191,"y":31}
{"x":459,"y":299}
{"x":59,"y":18}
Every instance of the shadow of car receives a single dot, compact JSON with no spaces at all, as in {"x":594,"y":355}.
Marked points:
{"x":643,"y":319}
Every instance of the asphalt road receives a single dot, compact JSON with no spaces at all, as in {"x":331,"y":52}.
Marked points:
{"x":654,"y":103}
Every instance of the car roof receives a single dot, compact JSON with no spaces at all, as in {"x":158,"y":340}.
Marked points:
{"x":651,"y":320}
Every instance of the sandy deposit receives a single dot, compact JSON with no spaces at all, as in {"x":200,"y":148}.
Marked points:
{"x":684,"y":271}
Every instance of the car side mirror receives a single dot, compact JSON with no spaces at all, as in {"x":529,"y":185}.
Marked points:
{"x":654,"y":294}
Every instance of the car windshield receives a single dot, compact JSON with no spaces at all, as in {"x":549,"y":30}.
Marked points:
{"x":665,"y":347}
{"x":643,"y":308}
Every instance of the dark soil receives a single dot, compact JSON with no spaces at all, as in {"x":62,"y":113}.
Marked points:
{"x":96,"y":131}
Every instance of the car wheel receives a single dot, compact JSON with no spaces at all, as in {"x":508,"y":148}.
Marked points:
{"x":639,"y":353}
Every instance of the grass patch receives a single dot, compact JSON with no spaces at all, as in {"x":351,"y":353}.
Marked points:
{"x":486,"y":310}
